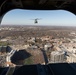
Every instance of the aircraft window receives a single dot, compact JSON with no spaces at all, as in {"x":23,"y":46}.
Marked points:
{"x":37,"y":36}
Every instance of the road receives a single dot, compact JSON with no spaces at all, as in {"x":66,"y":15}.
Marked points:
{"x":45,"y":56}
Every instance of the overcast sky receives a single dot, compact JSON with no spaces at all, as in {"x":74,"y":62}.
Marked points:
{"x":50,"y":17}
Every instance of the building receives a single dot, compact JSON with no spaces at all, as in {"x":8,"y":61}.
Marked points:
{"x":5,"y":49}
{"x":71,"y":58}
{"x":57,"y":57}
{"x":47,"y":46}
{"x":5,"y":55}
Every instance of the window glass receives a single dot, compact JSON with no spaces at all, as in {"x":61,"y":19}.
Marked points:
{"x":35,"y":36}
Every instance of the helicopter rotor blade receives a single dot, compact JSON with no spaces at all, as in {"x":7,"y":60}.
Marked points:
{"x":38,"y":18}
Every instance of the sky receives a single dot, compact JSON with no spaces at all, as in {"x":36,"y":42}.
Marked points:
{"x":48,"y":17}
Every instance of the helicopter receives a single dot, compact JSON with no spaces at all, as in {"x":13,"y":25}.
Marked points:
{"x":36,"y":20}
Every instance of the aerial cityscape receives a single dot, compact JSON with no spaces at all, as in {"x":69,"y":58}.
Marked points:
{"x":25,"y":45}
{"x":37,"y":37}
